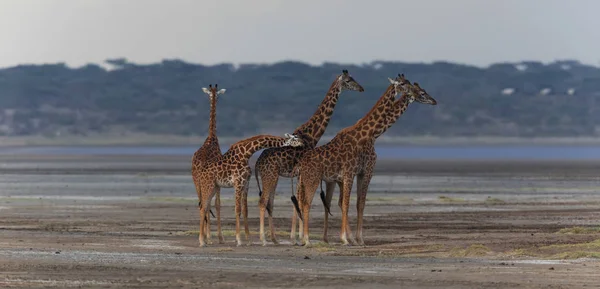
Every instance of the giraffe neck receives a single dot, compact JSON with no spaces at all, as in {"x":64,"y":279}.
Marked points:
{"x":212,"y":121}
{"x":374,"y":120}
{"x":244,"y":149}
{"x":399,"y":107}
{"x":314,"y":128}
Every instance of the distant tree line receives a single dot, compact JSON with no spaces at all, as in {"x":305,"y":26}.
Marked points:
{"x":504,"y":99}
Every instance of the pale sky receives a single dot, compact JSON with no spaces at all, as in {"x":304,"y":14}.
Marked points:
{"x":476,"y":32}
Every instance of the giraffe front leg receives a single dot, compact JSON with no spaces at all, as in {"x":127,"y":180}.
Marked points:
{"x":305,"y":216}
{"x":347,"y":190}
{"x":363,"y":182}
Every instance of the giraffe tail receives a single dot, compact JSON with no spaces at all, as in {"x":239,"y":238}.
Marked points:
{"x":325,"y":204}
{"x":257,"y":181}
{"x":211,"y":212}
{"x":295,"y":202}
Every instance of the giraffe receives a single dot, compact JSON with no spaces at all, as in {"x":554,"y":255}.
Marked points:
{"x":232,"y":170}
{"x":280,"y":162}
{"x":338,"y":161}
{"x":368,"y":158}
{"x":210,"y":149}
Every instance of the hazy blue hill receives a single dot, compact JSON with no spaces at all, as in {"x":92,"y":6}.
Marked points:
{"x":166,"y":98}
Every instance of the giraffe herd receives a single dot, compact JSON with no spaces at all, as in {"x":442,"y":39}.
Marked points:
{"x":350,"y":154}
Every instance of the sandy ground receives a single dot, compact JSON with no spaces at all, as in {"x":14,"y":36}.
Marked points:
{"x":128,"y":222}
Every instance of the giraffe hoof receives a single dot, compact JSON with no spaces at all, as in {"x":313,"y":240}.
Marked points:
{"x":221,"y":240}
{"x":201,"y":245}
{"x":275,"y":242}
{"x":307,"y":244}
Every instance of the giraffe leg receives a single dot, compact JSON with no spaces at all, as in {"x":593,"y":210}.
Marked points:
{"x":271,"y":223}
{"x":207,"y":226}
{"x":203,"y":210}
{"x":293,"y":230}
{"x":329,"y":188}
{"x":347,"y":190}
{"x":238,"y":211}
{"x":308,"y":192}
{"x":362,"y":187}
{"x":201,"y":230}
{"x":340,"y":204}
{"x":269,"y":184}
{"x":218,"y":208}
{"x":245,"y":213}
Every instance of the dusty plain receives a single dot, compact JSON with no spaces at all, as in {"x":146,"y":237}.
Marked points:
{"x":132,"y":221}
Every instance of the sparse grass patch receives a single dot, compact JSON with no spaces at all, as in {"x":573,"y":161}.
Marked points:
{"x":493,"y":201}
{"x":18,"y":199}
{"x":323,"y":247}
{"x":561,"y":251}
{"x":517,"y":253}
{"x":579,"y":230}
{"x":576,"y":255}
{"x":474,"y":250}
{"x":447,"y":199}
{"x":594,"y":245}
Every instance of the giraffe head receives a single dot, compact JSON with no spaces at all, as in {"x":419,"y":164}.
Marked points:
{"x":420,"y":95}
{"x":400,"y":83}
{"x":348,"y":83}
{"x":292,"y":141}
{"x":213,"y":92}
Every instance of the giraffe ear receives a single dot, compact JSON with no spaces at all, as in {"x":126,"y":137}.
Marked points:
{"x":206,"y":90}
{"x":391,"y":80}
{"x":288,"y":135}
{"x":221,"y":91}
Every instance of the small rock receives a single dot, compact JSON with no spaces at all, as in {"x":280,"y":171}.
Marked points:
{"x":57,"y":252}
{"x":551,"y":268}
{"x":306,"y":257}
